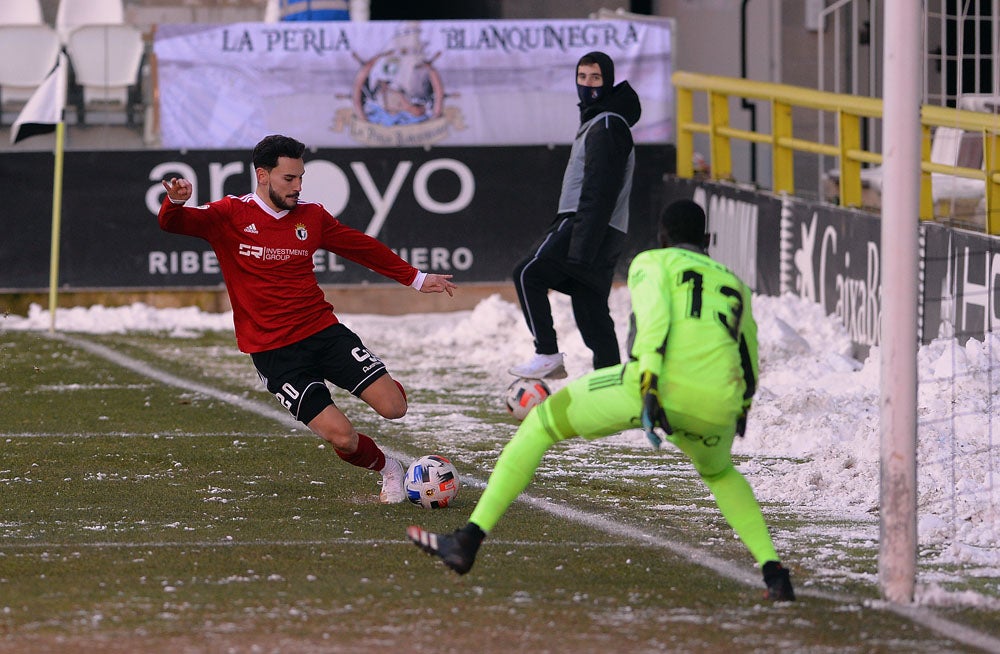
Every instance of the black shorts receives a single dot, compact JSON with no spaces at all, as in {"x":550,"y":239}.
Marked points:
{"x":296,"y":373}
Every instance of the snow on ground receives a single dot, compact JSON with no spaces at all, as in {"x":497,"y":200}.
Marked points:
{"x":813,"y":435}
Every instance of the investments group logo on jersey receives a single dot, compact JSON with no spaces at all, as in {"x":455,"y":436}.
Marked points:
{"x":398,"y":98}
{"x":271,"y":254}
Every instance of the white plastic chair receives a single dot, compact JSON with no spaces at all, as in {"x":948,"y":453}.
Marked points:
{"x":21,"y":12}
{"x":27,"y":55}
{"x":985,"y":102}
{"x":950,"y":146}
{"x":75,"y":13}
{"x":106,"y":61}
{"x":955,"y":147}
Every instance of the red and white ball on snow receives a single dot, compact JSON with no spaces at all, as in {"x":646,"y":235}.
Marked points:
{"x":524,"y":394}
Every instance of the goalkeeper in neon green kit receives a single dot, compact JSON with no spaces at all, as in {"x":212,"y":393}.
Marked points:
{"x":691,"y":377}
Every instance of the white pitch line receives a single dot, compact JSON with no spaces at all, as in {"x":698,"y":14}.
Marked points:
{"x":143,"y":368}
{"x":112,"y":545}
{"x":919,"y":615}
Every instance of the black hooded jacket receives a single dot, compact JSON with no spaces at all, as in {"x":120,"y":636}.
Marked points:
{"x":582,"y":242}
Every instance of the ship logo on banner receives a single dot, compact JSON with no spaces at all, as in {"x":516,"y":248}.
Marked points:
{"x":398,"y":98}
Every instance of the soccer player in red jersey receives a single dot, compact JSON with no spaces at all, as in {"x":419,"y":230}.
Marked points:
{"x":265,"y":242}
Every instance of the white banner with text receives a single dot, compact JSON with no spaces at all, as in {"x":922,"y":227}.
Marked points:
{"x":400,"y":84}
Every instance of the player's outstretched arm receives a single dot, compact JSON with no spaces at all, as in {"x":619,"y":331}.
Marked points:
{"x":434,"y":283}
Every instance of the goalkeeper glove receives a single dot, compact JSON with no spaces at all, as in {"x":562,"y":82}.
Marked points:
{"x":741,"y":422}
{"x":653,"y":415}
{"x":741,"y":425}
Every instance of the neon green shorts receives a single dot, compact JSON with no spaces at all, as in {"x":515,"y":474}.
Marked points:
{"x":607,"y":401}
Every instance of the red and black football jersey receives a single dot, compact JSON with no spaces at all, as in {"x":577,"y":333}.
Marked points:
{"x":266,"y":259}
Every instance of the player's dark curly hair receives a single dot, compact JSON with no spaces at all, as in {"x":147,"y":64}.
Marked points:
{"x":266,"y":153}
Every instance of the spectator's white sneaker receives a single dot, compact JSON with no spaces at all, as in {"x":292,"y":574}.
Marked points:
{"x":542,"y":366}
{"x":392,"y":482}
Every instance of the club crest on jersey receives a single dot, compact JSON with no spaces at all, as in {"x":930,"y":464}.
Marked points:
{"x":301,"y":232}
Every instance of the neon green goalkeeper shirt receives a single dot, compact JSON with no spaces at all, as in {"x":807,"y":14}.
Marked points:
{"x":693,"y":326}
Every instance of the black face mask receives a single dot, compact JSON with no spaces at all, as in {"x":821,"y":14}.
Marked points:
{"x":589,"y":95}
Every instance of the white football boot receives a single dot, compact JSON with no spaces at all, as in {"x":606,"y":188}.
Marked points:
{"x":392,"y":482}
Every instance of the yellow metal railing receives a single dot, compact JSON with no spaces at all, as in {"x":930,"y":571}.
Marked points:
{"x":849,"y":111}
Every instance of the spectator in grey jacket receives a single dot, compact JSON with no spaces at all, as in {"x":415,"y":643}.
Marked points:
{"x":578,"y":253}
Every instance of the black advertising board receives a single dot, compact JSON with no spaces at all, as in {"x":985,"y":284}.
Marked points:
{"x":744,"y":225}
{"x":25,"y":219}
{"x":474,"y":212}
{"x":961,"y":284}
{"x":780,"y":244}
{"x":832,"y":256}
{"x":471,"y":212}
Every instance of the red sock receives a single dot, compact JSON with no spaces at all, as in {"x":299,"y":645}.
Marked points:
{"x":368,"y":455}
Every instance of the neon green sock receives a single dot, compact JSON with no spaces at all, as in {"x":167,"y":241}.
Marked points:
{"x":739,"y":507}
{"x":513,"y":472}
